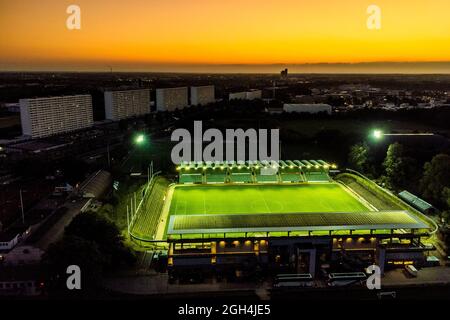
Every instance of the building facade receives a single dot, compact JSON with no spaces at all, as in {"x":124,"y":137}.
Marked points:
{"x":125,"y":104}
{"x":246,"y":95}
{"x":169,"y":99}
{"x":202,"y":95}
{"x":42,"y":117}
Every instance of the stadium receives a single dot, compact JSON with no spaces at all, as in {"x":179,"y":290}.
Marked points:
{"x":297,"y":217}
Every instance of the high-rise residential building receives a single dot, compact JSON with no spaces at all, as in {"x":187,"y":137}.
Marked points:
{"x":169,"y":99}
{"x":202,"y":95}
{"x":42,"y":117}
{"x":125,"y":104}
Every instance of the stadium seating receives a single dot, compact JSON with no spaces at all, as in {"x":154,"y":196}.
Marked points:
{"x":215,"y":173}
{"x":266,"y":172}
{"x":240,"y":173}
{"x":290,"y":172}
{"x":146,"y":223}
{"x":317,"y":176}
{"x":191,"y":172}
{"x":254,"y":172}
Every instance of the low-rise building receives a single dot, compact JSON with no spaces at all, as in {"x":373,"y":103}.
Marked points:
{"x":307,"y":108}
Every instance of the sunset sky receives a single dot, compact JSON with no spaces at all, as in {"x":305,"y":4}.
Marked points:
{"x":207,"y":35}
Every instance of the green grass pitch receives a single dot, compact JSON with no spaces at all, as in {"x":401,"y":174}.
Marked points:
{"x":261,"y":199}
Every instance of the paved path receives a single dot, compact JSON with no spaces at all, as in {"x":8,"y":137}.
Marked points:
{"x":158,"y":283}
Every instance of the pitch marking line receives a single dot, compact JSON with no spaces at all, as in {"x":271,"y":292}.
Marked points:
{"x":165,"y":214}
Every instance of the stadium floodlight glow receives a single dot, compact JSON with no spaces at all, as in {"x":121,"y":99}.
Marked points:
{"x":377,"y":134}
{"x":139,"y":139}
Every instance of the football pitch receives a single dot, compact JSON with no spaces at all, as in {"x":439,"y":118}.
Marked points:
{"x":263,"y":199}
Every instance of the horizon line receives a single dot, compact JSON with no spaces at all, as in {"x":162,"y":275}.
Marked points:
{"x":391,"y":67}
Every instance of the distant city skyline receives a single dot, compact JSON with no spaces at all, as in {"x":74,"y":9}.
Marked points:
{"x":250,"y":36}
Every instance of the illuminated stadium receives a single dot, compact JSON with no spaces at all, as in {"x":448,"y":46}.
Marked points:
{"x":298,"y":216}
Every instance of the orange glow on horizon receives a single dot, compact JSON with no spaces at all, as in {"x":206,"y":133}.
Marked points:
{"x":152,"y":33}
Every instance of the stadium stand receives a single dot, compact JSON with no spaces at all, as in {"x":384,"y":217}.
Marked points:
{"x":316,"y":171}
{"x":266,"y":172}
{"x":146,"y":223}
{"x":417,"y":202}
{"x":290,"y":172}
{"x":240,"y":173}
{"x":302,"y":168}
{"x":191,"y":172}
{"x":215,"y":173}
{"x":254,"y":171}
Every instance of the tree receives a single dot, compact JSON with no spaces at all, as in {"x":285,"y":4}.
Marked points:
{"x":72,"y":251}
{"x":359,"y":157}
{"x":105,"y":234}
{"x":436,"y":178}
{"x":446,"y":197}
{"x":400,"y":170}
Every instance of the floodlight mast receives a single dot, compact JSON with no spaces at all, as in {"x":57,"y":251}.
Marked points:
{"x":140,"y":139}
{"x":377,"y":134}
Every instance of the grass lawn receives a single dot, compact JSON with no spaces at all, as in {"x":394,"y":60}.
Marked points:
{"x":263,"y":199}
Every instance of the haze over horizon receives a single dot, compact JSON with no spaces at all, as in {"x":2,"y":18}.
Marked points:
{"x":226,"y":37}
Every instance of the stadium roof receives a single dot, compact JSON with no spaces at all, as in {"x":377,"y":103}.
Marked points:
{"x":218,"y":223}
{"x":96,"y":185}
{"x":415,"y":201}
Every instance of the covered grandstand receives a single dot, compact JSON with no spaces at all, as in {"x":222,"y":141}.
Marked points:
{"x":240,"y":172}
{"x":254,"y":171}
{"x":191,"y":172}
{"x":291,"y":172}
{"x":315,"y":171}
{"x":214,"y":172}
